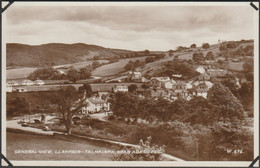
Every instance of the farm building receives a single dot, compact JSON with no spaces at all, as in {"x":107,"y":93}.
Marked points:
{"x":12,"y":83}
{"x":95,"y":105}
{"x":158,"y":82}
{"x":120,"y":88}
{"x":27,"y":82}
{"x":39,"y":82}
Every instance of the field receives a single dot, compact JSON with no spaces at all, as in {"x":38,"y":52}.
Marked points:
{"x":114,"y":68}
{"x":25,"y":72}
{"x":18,"y":141}
{"x":19,"y":73}
{"x":235,"y":66}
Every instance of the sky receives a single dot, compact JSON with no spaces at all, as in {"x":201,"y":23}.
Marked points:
{"x":129,"y":27}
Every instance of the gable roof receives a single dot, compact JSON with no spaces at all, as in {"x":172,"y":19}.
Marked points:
{"x":161,"y":79}
{"x":97,"y":101}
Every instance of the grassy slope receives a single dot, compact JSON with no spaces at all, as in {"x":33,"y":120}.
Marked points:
{"x":56,"y":53}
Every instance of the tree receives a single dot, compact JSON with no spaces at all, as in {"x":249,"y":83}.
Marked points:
{"x":193,"y":46}
{"x":229,"y":106}
{"x":149,"y":59}
{"x":95,"y":64}
{"x":205,"y":45}
{"x":146,"y":52}
{"x":86,"y":90}
{"x":170,"y":53}
{"x":132,"y":88}
{"x":209,"y":56}
{"x":198,"y":57}
{"x":17,"y":107}
{"x":129,"y":66}
{"x":73,"y":75}
{"x":85,"y":73}
{"x":69,"y":102}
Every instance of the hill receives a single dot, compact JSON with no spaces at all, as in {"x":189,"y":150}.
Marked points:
{"x":21,"y":55}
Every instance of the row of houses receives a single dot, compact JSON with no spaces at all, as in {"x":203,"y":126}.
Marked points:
{"x":25,"y":82}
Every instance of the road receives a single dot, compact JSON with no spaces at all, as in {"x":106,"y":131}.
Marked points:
{"x":12,"y":124}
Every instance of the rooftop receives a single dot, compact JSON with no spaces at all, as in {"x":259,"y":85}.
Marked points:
{"x":97,"y":100}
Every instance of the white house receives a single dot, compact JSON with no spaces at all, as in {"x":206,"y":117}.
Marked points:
{"x":95,"y":105}
{"x":201,"y":90}
{"x":39,"y":82}
{"x":27,"y":82}
{"x":169,"y":84}
{"x":120,"y":88}
{"x":158,"y":82}
{"x":200,"y":69}
{"x":9,"y":88}
{"x":12,"y":83}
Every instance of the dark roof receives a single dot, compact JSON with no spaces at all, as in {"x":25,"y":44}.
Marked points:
{"x":97,"y":101}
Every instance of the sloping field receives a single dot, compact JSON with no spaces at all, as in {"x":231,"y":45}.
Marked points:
{"x":25,"y":72}
{"x":19,"y":73}
{"x":235,"y":66}
{"x":114,"y":68}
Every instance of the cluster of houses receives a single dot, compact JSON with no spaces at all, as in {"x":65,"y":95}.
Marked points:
{"x":156,"y":87}
{"x":11,"y":84}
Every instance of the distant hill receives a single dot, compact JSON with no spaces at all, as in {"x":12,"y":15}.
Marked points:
{"x":21,"y":55}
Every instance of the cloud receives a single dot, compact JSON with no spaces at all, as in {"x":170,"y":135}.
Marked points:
{"x":129,"y":27}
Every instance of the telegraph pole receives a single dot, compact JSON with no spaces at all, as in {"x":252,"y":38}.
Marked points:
{"x":29,"y":112}
{"x":197,"y":149}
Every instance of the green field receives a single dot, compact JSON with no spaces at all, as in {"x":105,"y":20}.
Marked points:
{"x":22,"y":142}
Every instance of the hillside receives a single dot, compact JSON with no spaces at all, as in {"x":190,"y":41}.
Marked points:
{"x":21,"y":55}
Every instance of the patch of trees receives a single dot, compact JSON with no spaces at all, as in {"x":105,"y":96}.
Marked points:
{"x":198,"y":57}
{"x":69,"y":102}
{"x":154,"y":57}
{"x":46,"y":73}
{"x":177,"y":67}
{"x":17,"y":106}
{"x":72,"y":74}
{"x":193,"y":46}
{"x":221,"y":105}
{"x":205,"y":45}
{"x":131,"y":65}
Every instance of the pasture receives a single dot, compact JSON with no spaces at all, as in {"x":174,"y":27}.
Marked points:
{"x":114,"y":68}
{"x":235,"y":66}
{"x":19,"y":73}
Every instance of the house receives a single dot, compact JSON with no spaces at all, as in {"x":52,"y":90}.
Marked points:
{"x":135,"y":77}
{"x":12,"y":83}
{"x":169,"y":84}
{"x":201,"y":90}
{"x":208,"y":83}
{"x":39,"y":82}
{"x":200,"y":69}
{"x":95,"y":105}
{"x":120,"y":88}
{"x":20,"y":90}
{"x":27,"y":82}
{"x":179,"y":86}
{"x":158,"y":82}
{"x":216,"y":72}
{"x":203,"y":77}
{"x":9,"y":88}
